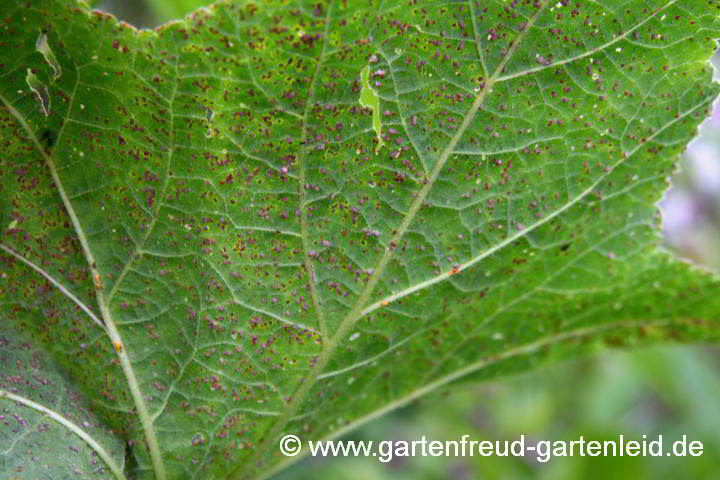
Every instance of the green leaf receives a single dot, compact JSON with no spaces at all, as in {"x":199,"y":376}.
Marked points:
{"x":202,"y":225}
{"x":48,"y":430}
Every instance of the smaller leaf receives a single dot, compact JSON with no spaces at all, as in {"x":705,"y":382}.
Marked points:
{"x":47,"y":430}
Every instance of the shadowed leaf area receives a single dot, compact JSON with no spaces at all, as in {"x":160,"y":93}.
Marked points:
{"x":34,"y":445}
{"x":225,"y":233}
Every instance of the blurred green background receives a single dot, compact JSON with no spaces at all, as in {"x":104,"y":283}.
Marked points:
{"x":669,"y":390}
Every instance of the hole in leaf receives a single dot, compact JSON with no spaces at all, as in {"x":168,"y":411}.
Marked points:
{"x":369,"y":98}
{"x":40,"y":90}
{"x":41,"y":44}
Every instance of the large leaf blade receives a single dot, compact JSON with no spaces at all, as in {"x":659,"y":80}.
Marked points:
{"x":261,"y":257}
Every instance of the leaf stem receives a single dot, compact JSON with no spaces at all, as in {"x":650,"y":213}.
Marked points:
{"x":142,"y":411}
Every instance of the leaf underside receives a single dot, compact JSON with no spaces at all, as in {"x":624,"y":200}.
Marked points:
{"x":216,"y":193}
{"x":34,"y":445}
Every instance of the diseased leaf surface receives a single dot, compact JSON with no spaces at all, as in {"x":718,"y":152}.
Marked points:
{"x":266,"y":263}
{"x":33,"y":445}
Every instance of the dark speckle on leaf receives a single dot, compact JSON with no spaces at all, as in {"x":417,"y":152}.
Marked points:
{"x":48,"y":138}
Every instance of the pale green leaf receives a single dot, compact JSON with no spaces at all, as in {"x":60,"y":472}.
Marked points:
{"x":47,"y":429}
